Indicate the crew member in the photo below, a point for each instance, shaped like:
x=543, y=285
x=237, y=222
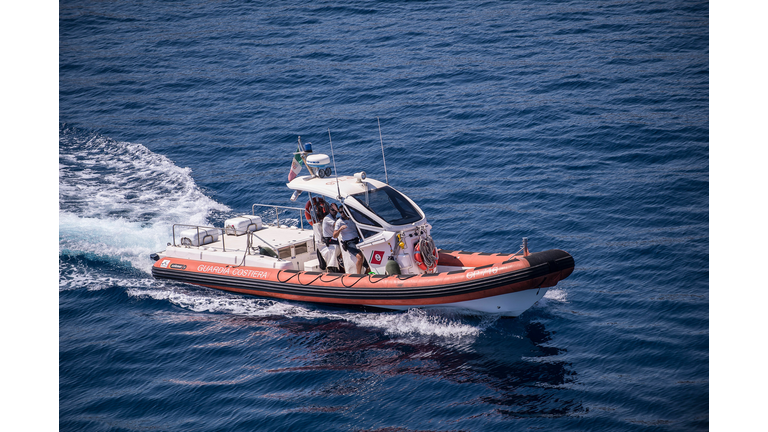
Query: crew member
x=346, y=230
x=328, y=225
x=331, y=250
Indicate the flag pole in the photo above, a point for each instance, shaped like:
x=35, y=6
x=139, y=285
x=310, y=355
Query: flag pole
x=303, y=154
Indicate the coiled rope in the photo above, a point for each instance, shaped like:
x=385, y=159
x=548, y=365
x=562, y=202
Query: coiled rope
x=428, y=252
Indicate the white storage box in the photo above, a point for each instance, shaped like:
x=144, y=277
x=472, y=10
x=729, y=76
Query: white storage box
x=199, y=236
x=242, y=224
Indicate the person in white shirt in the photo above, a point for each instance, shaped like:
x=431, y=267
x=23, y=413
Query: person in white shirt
x=331, y=250
x=346, y=230
x=328, y=225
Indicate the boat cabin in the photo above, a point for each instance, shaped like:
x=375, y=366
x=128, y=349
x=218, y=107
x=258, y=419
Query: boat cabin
x=389, y=223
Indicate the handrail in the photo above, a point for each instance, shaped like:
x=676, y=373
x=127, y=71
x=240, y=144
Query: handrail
x=197, y=227
x=277, y=214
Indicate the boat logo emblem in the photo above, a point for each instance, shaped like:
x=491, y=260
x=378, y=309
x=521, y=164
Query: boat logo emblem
x=376, y=257
x=164, y=264
x=178, y=266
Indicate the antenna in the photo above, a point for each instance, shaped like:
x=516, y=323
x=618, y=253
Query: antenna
x=335, y=173
x=382, y=151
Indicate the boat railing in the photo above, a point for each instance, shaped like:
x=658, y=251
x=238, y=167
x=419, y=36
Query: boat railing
x=200, y=240
x=277, y=212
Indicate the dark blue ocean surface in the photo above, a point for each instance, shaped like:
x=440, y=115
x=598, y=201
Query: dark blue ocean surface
x=580, y=125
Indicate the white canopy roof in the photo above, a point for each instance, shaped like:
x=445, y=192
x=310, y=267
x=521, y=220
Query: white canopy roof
x=347, y=185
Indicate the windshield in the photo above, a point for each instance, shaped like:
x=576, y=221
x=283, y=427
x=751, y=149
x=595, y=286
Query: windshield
x=389, y=205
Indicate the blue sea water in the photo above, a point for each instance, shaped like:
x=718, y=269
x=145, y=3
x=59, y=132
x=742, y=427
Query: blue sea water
x=580, y=125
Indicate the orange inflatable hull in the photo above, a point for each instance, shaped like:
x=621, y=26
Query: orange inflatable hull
x=490, y=275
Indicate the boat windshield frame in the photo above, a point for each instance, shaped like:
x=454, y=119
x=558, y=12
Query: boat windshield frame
x=389, y=205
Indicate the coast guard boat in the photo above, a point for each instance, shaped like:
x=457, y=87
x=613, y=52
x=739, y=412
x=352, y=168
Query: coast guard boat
x=404, y=269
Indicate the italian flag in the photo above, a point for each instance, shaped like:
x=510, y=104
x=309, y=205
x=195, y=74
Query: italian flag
x=295, y=165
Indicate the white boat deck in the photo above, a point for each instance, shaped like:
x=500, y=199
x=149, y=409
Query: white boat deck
x=279, y=239
x=292, y=246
